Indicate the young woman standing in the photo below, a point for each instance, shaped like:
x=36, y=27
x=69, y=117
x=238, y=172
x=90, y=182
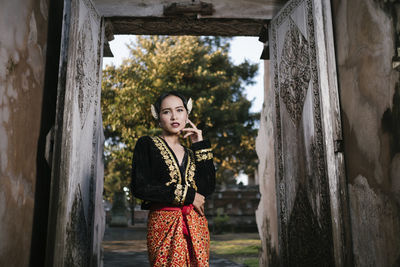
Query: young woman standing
x=173, y=181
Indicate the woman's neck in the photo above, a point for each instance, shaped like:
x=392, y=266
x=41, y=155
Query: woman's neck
x=172, y=139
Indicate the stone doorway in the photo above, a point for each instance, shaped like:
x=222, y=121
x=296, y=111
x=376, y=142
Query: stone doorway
x=85, y=32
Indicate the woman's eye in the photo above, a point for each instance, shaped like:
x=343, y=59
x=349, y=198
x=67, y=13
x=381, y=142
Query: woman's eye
x=180, y=110
x=165, y=112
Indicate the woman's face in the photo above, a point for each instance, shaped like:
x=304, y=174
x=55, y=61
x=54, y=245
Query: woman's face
x=173, y=115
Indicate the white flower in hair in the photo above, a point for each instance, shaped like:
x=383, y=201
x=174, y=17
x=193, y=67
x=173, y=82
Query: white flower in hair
x=189, y=105
x=154, y=112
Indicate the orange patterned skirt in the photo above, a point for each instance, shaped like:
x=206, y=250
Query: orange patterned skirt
x=178, y=237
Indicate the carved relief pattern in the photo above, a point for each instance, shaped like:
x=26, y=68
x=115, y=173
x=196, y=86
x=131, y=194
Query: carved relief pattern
x=86, y=77
x=286, y=11
x=87, y=59
x=280, y=185
x=84, y=58
x=294, y=69
x=97, y=125
x=77, y=234
x=307, y=71
x=321, y=174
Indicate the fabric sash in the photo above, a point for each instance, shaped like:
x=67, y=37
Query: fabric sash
x=177, y=236
x=185, y=211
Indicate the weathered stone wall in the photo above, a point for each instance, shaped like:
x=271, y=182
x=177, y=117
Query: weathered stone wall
x=99, y=220
x=266, y=214
x=23, y=28
x=370, y=102
x=365, y=40
x=76, y=203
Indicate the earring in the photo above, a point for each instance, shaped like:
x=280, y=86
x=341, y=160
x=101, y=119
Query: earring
x=189, y=105
x=154, y=112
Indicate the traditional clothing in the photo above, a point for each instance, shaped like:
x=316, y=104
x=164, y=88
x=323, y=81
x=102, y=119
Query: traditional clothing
x=177, y=234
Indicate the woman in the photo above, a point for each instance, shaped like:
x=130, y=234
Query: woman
x=173, y=182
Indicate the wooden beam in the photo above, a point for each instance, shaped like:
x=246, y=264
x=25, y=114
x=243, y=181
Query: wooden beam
x=187, y=26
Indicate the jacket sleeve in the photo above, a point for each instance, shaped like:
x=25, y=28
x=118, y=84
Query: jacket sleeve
x=147, y=187
x=205, y=170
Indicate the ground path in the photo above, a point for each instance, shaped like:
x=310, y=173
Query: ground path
x=126, y=247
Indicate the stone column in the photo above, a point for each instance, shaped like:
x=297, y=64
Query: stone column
x=266, y=214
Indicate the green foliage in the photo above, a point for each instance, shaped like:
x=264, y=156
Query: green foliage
x=200, y=68
x=220, y=221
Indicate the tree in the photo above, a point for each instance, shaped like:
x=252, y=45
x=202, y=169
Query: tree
x=198, y=67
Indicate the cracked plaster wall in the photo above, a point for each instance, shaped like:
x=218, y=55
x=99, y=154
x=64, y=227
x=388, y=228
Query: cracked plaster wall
x=365, y=46
x=23, y=27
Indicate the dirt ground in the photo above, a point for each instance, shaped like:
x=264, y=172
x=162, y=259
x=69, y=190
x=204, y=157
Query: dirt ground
x=125, y=247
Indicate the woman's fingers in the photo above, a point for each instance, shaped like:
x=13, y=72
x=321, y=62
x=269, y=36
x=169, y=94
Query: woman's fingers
x=198, y=203
x=195, y=130
x=191, y=131
x=200, y=210
x=186, y=135
x=191, y=123
x=198, y=133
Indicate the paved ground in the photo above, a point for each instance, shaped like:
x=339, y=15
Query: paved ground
x=125, y=247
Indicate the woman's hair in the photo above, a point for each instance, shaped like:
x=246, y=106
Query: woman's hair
x=160, y=99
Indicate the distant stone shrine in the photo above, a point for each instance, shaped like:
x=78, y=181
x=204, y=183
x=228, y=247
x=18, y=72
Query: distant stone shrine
x=119, y=210
x=233, y=210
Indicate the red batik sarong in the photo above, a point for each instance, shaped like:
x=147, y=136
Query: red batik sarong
x=177, y=236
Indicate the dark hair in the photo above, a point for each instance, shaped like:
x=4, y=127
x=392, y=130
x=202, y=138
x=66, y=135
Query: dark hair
x=160, y=99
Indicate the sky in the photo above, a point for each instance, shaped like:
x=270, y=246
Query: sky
x=241, y=48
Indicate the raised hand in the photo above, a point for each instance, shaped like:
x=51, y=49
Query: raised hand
x=194, y=133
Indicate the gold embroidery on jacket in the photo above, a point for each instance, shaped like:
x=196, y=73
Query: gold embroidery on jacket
x=178, y=194
x=180, y=191
x=184, y=194
x=204, y=154
x=190, y=169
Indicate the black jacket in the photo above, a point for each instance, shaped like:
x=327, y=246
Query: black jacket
x=158, y=178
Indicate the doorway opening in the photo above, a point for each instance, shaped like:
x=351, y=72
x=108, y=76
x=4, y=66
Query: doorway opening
x=224, y=76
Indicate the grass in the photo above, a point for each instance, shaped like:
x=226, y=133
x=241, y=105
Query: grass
x=251, y=262
x=242, y=251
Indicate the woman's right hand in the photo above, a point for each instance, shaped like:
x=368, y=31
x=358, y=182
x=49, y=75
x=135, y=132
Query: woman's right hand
x=198, y=203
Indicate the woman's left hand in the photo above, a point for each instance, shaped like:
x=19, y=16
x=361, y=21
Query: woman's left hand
x=194, y=133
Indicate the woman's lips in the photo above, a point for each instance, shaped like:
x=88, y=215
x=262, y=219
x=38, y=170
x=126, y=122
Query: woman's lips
x=175, y=124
